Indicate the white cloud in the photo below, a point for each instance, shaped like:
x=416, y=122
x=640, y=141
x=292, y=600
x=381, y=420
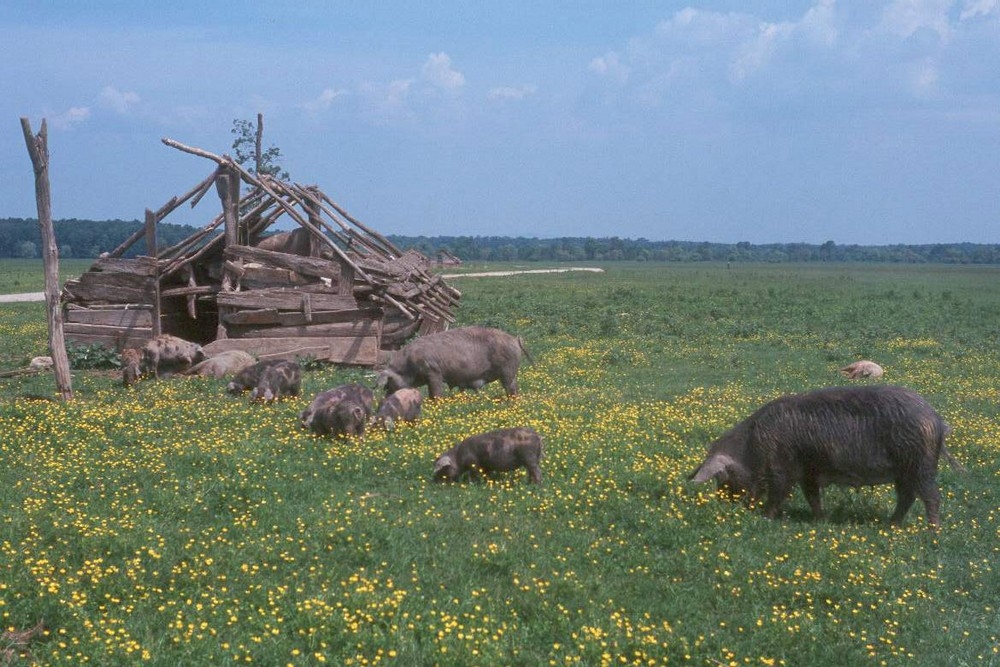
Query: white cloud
x=68, y=119
x=974, y=8
x=437, y=71
x=512, y=92
x=324, y=101
x=905, y=17
x=118, y=101
x=610, y=66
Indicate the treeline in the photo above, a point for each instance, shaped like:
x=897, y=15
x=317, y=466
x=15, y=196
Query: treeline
x=571, y=249
x=21, y=237
x=87, y=238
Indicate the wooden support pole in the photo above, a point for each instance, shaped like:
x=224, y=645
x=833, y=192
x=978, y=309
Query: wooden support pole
x=151, y=252
x=38, y=150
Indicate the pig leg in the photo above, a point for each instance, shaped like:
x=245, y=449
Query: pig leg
x=932, y=502
x=905, y=495
x=534, y=472
x=435, y=386
x=777, y=491
x=810, y=487
x=510, y=385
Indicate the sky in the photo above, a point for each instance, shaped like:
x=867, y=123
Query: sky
x=858, y=121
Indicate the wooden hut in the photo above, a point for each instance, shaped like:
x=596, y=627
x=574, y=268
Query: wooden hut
x=330, y=289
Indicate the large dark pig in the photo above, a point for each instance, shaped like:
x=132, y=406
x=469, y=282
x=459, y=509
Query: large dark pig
x=467, y=357
x=282, y=378
x=401, y=405
x=170, y=354
x=222, y=364
x=495, y=451
x=853, y=436
x=343, y=410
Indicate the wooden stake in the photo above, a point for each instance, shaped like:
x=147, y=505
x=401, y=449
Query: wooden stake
x=38, y=150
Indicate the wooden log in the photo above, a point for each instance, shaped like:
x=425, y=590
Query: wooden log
x=197, y=290
x=307, y=266
x=101, y=330
x=113, y=288
x=362, y=351
x=284, y=300
x=117, y=340
x=139, y=266
x=38, y=151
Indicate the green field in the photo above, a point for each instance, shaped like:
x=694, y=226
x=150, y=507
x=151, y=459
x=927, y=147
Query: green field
x=173, y=524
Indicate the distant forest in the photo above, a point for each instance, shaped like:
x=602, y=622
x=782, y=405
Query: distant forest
x=87, y=238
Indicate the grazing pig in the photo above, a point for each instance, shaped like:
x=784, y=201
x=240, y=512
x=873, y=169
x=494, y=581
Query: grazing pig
x=494, y=451
x=249, y=377
x=862, y=369
x=401, y=405
x=222, y=364
x=39, y=364
x=170, y=354
x=343, y=410
x=867, y=435
x=281, y=378
x=131, y=363
x=467, y=357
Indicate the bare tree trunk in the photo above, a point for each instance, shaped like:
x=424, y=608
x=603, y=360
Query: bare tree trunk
x=260, y=133
x=38, y=150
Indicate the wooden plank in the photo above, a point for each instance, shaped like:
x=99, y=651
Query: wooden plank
x=114, y=288
x=289, y=319
x=365, y=327
x=101, y=330
x=112, y=318
x=284, y=299
x=116, y=341
x=307, y=266
x=361, y=351
x=139, y=266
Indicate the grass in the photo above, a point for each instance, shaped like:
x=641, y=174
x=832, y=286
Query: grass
x=174, y=524
x=27, y=275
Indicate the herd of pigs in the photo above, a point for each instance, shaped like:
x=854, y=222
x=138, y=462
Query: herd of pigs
x=854, y=435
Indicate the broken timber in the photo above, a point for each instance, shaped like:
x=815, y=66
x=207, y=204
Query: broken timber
x=331, y=289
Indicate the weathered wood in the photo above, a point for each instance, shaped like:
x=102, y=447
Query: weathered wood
x=358, y=351
x=360, y=327
x=284, y=300
x=307, y=266
x=272, y=316
x=115, y=288
x=188, y=291
x=111, y=318
x=73, y=328
x=38, y=151
x=120, y=339
x=139, y=266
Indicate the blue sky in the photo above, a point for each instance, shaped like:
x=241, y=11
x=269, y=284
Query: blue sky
x=857, y=121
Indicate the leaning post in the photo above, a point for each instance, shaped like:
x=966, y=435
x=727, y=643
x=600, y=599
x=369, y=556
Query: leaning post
x=38, y=150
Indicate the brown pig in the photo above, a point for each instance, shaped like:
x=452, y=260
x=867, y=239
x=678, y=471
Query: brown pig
x=249, y=377
x=862, y=369
x=170, y=354
x=401, y=405
x=131, y=366
x=495, y=451
x=343, y=410
x=282, y=378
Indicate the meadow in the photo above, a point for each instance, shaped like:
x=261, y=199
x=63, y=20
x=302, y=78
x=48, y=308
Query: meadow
x=174, y=524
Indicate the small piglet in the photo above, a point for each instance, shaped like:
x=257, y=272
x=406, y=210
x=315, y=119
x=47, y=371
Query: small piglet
x=401, y=405
x=495, y=451
x=131, y=366
x=282, y=378
x=343, y=410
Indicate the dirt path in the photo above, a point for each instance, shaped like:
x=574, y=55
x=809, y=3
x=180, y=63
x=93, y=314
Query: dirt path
x=40, y=296
x=26, y=296
x=492, y=274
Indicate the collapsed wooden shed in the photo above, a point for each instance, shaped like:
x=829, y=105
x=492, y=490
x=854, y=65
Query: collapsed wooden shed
x=331, y=288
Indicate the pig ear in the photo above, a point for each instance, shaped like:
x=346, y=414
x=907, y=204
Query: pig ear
x=714, y=465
